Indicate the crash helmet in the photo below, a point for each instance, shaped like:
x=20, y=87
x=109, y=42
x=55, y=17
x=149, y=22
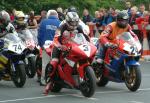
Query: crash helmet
x=122, y=19
x=72, y=20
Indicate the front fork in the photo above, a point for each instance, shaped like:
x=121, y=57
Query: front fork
x=130, y=63
x=13, y=71
x=81, y=71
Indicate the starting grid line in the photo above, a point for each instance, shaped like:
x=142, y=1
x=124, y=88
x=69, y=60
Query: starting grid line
x=75, y=95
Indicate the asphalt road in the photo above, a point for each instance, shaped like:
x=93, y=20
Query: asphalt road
x=112, y=93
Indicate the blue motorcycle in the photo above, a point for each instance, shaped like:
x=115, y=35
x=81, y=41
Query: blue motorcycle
x=121, y=64
x=12, y=67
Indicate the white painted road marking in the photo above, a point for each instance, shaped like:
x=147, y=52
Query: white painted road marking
x=135, y=102
x=32, y=98
x=146, y=75
x=51, y=96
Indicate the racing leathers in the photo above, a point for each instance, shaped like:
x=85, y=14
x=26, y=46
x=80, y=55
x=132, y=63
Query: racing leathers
x=63, y=35
x=8, y=29
x=107, y=38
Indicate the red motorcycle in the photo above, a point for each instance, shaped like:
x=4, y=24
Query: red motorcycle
x=74, y=69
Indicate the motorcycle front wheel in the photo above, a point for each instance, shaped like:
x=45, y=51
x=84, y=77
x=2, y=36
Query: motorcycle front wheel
x=19, y=76
x=133, y=78
x=30, y=67
x=89, y=85
x=55, y=87
x=38, y=66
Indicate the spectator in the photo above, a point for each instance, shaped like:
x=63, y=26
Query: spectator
x=87, y=18
x=109, y=16
x=128, y=7
x=98, y=20
x=146, y=16
x=12, y=15
x=46, y=32
x=132, y=21
x=141, y=9
x=32, y=25
x=43, y=16
x=133, y=15
x=61, y=16
x=65, y=12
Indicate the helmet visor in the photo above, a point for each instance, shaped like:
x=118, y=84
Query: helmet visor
x=73, y=23
x=122, y=21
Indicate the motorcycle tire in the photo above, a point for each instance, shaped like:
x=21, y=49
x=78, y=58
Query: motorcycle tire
x=38, y=66
x=30, y=67
x=19, y=76
x=102, y=81
x=55, y=87
x=89, y=85
x=133, y=79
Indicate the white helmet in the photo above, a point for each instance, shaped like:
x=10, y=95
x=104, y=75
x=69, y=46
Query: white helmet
x=72, y=20
x=4, y=17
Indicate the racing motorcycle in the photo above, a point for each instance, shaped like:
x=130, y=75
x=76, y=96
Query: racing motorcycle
x=12, y=55
x=74, y=69
x=121, y=63
x=31, y=49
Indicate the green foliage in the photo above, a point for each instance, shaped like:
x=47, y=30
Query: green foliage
x=38, y=5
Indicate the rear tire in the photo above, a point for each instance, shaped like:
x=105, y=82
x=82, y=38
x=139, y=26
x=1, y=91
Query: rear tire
x=19, y=76
x=89, y=85
x=133, y=79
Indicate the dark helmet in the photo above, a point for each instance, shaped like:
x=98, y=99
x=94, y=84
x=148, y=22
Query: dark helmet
x=72, y=9
x=122, y=19
x=72, y=20
x=4, y=18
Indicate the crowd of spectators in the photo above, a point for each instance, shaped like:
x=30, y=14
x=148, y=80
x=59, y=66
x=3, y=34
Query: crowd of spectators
x=137, y=15
x=98, y=21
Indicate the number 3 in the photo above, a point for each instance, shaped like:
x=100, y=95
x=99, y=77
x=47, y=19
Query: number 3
x=85, y=47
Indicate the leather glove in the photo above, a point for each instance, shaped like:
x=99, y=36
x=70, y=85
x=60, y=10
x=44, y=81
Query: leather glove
x=111, y=45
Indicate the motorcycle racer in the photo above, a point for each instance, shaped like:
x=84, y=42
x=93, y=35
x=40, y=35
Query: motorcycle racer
x=63, y=35
x=5, y=25
x=110, y=33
